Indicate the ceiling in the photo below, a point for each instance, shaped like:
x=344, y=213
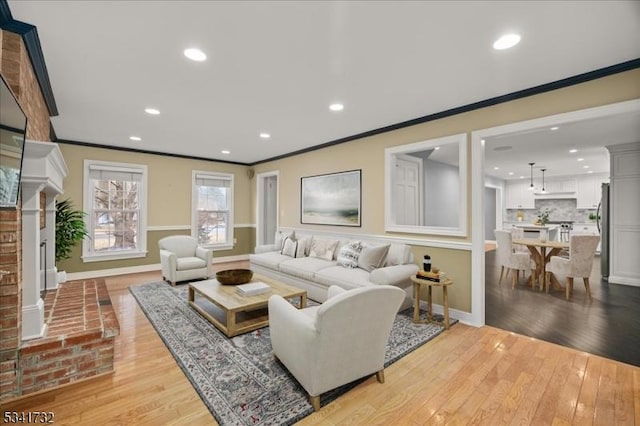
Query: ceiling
x=275, y=67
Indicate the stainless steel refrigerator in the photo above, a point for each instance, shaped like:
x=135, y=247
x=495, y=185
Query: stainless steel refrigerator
x=603, y=227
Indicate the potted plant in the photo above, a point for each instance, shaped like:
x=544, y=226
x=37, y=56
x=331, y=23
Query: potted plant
x=593, y=217
x=70, y=229
x=543, y=216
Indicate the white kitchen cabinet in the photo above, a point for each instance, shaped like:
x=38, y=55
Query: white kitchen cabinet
x=589, y=191
x=519, y=196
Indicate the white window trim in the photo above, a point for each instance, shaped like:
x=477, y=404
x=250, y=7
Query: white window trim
x=87, y=249
x=194, y=208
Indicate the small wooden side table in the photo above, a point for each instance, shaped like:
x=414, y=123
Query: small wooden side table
x=417, y=285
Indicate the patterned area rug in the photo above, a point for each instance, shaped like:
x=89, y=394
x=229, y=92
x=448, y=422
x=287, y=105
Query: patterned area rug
x=238, y=379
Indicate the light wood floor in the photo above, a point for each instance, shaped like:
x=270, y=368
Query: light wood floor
x=466, y=375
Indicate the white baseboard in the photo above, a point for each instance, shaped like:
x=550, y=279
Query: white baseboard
x=142, y=268
x=613, y=279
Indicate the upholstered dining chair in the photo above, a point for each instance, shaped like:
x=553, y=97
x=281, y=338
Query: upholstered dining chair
x=340, y=341
x=510, y=260
x=582, y=249
x=518, y=234
x=181, y=259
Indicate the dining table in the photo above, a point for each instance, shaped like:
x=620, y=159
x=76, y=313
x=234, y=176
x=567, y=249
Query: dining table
x=538, y=249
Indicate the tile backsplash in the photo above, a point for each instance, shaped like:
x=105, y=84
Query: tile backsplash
x=561, y=209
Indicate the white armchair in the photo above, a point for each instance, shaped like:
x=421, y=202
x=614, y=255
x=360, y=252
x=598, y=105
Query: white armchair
x=181, y=259
x=582, y=249
x=337, y=342
x=514, y=261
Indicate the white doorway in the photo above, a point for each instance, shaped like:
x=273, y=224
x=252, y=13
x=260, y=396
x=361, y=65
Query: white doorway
x=267, y=211
x=407, y=190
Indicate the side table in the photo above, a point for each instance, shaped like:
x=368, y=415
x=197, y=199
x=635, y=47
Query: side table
x=417, y=285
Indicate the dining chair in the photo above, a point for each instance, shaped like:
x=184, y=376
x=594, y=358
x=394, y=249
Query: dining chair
x=582, y=249
x=518, y=234
x=511, y=260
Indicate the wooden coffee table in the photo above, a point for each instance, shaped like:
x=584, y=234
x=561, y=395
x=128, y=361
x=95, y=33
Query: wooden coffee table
x=237, y=314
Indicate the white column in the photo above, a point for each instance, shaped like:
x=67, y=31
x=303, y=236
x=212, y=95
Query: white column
x=50, y=236
x=32, y=304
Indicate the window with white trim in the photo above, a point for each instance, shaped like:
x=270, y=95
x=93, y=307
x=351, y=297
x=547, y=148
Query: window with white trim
x=115, y=203
x=212, y=206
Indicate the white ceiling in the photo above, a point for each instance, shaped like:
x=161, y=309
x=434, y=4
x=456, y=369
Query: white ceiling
x=276, y=66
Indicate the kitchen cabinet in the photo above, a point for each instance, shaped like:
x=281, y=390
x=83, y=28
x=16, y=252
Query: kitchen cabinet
x=519, y=196
x=589, y=191
x=558, y=188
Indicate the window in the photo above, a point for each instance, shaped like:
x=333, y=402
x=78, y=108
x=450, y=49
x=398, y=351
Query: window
x=115, y=203
x=212, y=220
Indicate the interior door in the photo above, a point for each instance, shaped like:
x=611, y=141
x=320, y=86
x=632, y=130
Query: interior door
x=407, y=190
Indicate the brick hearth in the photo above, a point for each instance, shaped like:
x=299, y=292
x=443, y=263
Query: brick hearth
x=81, y=328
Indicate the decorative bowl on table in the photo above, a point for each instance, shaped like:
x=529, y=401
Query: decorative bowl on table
x=234, y=276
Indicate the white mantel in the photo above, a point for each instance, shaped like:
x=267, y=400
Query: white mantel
x=43, y=169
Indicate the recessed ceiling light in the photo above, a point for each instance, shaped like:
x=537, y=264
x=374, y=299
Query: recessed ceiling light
x=554, y=128
x=585, y=167
x=436, y=148
x=496, y=168
x=135, y=138
x=590, y=171
x=265, y=135
x=580, y=159
x=521, y=177
x=152, y=111
x=503, y=148
x=336, y=107
x=510, y=173
x=506, y=41
x=195, y=54
x=225, y=152
x=573, y=151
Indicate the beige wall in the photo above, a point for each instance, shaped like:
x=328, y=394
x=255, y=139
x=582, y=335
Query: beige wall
x=168, y=200
x=368, y=154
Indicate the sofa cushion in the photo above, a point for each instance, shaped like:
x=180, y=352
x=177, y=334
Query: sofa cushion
x=269, y=260
x=349, y=253
x=322, y=248
x=347, y=278
x=304, y=267
x=372, y=257
x=187, y=263
x=398, y=254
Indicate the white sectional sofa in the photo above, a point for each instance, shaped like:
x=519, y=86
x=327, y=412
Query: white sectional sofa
x=316, y=274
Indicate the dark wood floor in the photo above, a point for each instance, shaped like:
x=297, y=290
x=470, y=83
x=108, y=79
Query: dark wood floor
x=608, y=326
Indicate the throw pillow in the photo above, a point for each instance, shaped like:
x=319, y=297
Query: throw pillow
x=303, y=246
x=280, y=237
x=372, y=257
x=349, y=253
x=290, y=247
x=323, y=249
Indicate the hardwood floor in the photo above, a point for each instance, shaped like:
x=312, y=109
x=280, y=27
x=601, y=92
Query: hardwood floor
x=609, y=325
x=466, y=375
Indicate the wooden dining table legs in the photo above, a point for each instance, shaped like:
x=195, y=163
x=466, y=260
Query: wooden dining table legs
x=542, y=258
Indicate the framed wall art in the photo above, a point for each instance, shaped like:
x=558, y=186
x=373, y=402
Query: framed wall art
x=331, y=199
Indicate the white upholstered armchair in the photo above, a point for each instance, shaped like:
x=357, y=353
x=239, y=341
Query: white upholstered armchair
x=582, y=249
x=514, y=261
x=337, y=342
x=181, y=259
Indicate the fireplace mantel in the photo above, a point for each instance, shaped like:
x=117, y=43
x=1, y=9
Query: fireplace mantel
x=43, y=170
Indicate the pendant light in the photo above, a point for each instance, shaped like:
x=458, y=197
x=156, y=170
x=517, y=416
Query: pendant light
x=531, y=185
x=544, y=191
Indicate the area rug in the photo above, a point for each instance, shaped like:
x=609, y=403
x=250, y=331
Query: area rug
x=238, y=379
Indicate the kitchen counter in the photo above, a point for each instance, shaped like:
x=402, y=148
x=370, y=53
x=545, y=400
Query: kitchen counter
x=533, y=227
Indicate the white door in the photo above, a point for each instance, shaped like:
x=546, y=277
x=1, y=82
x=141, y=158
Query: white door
x=407, y=190
x=267, y=221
